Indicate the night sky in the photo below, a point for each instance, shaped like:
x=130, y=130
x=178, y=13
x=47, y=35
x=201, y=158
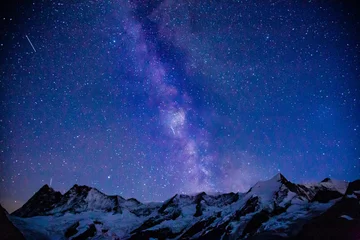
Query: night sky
x=146, y=99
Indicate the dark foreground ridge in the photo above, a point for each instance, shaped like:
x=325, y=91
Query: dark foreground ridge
x=272, y=209
x=11, y=231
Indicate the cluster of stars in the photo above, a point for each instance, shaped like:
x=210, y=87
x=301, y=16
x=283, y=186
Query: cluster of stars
x=149, y=100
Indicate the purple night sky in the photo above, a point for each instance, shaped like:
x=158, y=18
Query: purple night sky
x=146, y=99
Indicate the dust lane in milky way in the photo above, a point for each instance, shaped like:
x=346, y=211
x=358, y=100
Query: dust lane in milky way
x=173, y=107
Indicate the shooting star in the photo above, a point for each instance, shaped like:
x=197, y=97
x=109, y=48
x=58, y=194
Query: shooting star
x=172, y=130
x=50, y=181
x=30, y=42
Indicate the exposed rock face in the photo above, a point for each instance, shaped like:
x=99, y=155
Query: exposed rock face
x=341, y=221
x=88, y=233
x=72, y=230
x=353, y=188
x=324, y=196
x=78, y=199
x=39, y=204
x=272, y=209
x=83, y=198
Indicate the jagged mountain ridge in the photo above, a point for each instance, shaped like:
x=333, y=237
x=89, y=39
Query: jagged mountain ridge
x=78, y=199
x=276, y=207
x=41, y=202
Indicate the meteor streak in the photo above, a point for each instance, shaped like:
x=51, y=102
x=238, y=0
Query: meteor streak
x=30, y=42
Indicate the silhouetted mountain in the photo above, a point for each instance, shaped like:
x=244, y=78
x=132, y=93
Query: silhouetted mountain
x=340, y=221
x=272, y=209
x=8, y=230
x=39, y=204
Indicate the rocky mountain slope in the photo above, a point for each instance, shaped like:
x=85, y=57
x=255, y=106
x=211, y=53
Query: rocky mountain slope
x=272, y=209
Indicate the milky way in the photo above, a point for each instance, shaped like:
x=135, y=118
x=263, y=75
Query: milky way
x=146, y=99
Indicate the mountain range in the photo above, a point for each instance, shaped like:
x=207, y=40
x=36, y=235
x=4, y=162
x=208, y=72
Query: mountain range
x=272, y=209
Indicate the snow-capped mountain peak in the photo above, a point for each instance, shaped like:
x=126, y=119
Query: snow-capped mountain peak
x=271, y=206
x=277, y=190
x=336, y=185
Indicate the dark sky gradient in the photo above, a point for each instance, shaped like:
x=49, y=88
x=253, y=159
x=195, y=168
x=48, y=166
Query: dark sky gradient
x=146, y=99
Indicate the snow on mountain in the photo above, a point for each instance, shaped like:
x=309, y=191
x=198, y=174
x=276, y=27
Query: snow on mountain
x=329, y=184
x=276, y=207
x=277, y=189
x=83, y=198
x=336, y=185
x=347, y=217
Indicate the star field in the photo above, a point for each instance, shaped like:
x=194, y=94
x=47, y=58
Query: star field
x=146, y=99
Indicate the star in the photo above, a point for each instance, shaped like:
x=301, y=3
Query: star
x=147, y=100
